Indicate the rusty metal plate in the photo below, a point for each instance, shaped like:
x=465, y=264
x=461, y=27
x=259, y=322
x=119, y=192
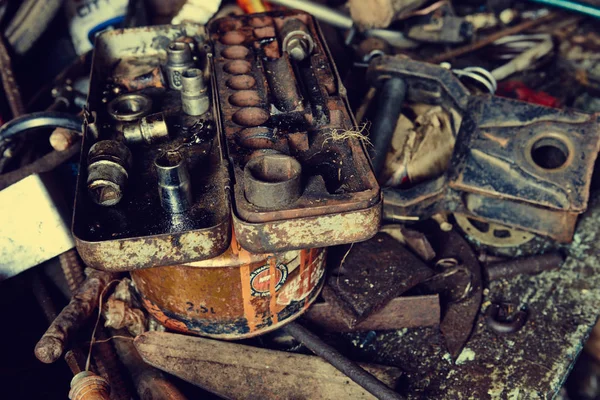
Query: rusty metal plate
x=370, y=274
x=137, y=232
x=272, y=102
x=522, y=165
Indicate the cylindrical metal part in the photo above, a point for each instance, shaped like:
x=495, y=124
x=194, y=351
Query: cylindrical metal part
x=130, y=107
x=194, y=93
x=179, y=59
x=174, y=186
x=235, y=295
x=319, y=11
x=390, y=101
x=88, y=386
x=524, y=265
x=297, y=40
x=150, y=129
x=272, y=181
x=285, y=91
x=108, y=164
x=335, y=358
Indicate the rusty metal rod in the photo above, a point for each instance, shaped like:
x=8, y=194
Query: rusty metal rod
x=335, y=358
x=491, y=39
x=524, y=265
x=72, y=317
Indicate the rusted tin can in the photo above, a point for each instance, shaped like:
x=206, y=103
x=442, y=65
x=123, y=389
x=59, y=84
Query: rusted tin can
x=235, y=295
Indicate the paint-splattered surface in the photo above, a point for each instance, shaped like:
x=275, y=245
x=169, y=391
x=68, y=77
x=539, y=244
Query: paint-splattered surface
x=530, y=364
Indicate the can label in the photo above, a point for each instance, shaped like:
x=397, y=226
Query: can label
x=260, y=279
x=90, y=17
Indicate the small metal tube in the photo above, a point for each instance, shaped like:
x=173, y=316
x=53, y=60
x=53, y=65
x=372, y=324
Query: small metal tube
x=174, y=186
x=524, y=265
x=109, y=162
x=179, y=59
x=348, y=367
x=194, y=93
x=149, y=129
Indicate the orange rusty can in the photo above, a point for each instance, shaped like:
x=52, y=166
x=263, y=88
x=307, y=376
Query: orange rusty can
x=235, y=295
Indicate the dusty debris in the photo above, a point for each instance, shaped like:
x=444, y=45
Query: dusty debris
x=399, y=313
x=373, y=273
x=243, y=372
x=413, y=239
x=421, y=150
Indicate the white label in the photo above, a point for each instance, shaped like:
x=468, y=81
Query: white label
x=89, y=17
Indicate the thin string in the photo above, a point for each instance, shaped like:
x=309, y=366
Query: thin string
x=111, y=338
x=89, y=357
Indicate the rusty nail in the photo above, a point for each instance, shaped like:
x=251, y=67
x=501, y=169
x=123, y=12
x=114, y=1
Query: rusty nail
x=80, y=308
x=524, y=265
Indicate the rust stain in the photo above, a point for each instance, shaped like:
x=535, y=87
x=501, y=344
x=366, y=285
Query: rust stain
x=249, y=312
x=501, y=141
x=273, y=289
x=303, y=271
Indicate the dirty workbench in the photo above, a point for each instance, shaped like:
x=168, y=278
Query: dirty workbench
x=532, y=363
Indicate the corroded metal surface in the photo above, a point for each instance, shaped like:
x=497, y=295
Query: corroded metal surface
x=326, y=230
x=235, y=295
x=137, y=232
x=235, y=371
x=399, y=313
x=514, y=163
x=144, y=252
x=72, y=317
x=293, y=104
x=529, y=364
x=370, y=274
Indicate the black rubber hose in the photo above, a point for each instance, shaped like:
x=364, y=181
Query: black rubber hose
x=390, y=102
x=42, y=119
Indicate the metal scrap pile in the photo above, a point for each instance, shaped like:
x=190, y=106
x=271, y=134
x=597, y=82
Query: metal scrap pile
x=299, y=199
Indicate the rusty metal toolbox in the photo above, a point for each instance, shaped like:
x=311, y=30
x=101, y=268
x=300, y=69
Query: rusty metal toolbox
x=128, y=82
x=301, y=179
x=171, y=120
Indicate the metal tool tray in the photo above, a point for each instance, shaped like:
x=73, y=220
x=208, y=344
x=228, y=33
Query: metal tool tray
x=295, y=108
x=137, y=232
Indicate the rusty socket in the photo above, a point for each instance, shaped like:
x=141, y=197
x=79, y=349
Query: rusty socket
x=108, y=164
x=272, y=180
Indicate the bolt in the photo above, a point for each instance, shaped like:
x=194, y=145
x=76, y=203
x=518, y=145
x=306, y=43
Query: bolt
x=297, y=49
